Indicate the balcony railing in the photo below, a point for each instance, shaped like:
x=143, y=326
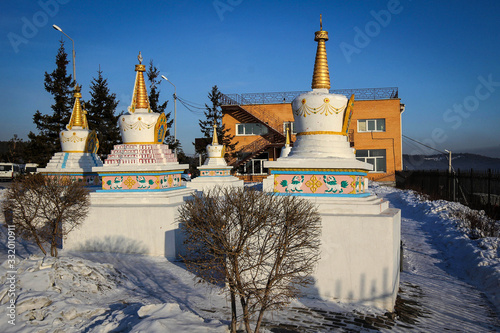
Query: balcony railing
x=289, y=96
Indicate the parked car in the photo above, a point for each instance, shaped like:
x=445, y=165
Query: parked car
x=186, y=177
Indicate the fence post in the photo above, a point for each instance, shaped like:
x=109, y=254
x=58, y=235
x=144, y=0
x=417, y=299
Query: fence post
x=471, y=199
x=489, y=190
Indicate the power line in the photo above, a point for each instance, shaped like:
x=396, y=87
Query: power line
x=423, y=144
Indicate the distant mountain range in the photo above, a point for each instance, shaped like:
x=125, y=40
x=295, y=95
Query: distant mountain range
x=462, y=161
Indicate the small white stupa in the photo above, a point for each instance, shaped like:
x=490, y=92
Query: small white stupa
x=360, y=241
x=215, y=171
x=287, y=148
x=79, y=149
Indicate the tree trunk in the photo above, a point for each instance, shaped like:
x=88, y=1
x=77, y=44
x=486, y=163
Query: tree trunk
x=233, y=312
x=246, y=315
x=37, y=241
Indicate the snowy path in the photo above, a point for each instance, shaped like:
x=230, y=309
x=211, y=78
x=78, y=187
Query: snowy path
x=446, y=301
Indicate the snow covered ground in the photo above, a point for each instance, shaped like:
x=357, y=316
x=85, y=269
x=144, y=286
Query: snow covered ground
x=450, y=282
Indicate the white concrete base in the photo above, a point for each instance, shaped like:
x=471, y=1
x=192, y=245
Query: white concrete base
x=131, y=222
x=360, y=252
x=209, y=182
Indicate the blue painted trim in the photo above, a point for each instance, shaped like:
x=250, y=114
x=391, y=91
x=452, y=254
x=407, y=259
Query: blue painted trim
x=95, y=158
x=70, y=174
x=149, y=190
x=279, y=172
x=141, y=174
x=361, y=195
x=66, y=155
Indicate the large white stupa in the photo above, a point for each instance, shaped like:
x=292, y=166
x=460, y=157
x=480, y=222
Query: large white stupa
x=142, y=162
x=360, y=242
x=79, y=149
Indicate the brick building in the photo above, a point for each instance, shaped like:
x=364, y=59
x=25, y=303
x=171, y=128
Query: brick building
x=259, y=120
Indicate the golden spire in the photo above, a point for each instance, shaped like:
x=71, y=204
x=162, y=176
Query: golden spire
x=140, y=99
x=215, y=141
x=321, y=76
x=288, y=141
x=78, y=115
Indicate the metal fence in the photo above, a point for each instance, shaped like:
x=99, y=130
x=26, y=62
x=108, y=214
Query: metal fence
x=476, y=189
x=289, y=96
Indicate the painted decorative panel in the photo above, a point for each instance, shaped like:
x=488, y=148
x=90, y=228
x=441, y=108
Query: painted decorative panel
x=324, y=184
x=88, y=179
x=141, y=182
x=213, y=173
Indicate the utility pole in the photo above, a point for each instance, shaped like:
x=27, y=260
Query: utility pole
x=450, y=168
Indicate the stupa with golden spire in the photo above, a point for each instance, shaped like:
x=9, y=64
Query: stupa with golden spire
x=360, y=234
x=321, y=121
x=142, y=161
x=215, y=171
x=79, y=147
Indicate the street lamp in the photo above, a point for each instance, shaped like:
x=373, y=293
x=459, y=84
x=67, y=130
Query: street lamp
x=175, y=111
x=59, y=29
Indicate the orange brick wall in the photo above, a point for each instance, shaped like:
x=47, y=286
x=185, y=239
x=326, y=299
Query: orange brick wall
x=390, y=140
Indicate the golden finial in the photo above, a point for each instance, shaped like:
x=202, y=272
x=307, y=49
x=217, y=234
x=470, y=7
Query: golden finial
x=140, y=99
x=321, y=76
x=288, y=141
x=78, y=115
x=215, y=141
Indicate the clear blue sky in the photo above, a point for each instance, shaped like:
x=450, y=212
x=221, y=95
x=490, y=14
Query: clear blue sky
x=443, y=55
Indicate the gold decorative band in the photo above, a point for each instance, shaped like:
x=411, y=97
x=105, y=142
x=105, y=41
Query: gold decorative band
x=140, y=68
x=321, y=132
x=142, y=143
x=320, y=170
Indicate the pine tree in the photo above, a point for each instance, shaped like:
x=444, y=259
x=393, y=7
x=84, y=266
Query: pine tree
x=213, y=115
x=60, y=84
x=101, y=114
x=154, y=102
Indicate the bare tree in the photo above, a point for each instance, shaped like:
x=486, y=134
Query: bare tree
x=263, y=246
x=22, y=207
x=46, y=209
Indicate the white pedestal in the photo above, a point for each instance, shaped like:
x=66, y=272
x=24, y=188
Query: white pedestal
x=360, y=252
x=131, y=222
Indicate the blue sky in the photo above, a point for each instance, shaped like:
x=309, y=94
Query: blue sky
x=443, y=56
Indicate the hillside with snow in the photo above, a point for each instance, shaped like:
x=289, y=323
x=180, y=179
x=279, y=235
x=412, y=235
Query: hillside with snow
x=451, y=281
x=462, y=161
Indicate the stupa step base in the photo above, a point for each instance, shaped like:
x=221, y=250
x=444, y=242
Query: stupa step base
x=72, y=162
x=140, y=154
x=210, y=182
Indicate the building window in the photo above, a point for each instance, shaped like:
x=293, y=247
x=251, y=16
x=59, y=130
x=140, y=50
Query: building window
x=292, y=127
x=255, y=166
x=375, y=157
x=371, y=125
x=251, y=129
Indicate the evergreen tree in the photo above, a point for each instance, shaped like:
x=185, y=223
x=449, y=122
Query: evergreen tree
x=213, y=115
x=101, y=114
x=154, y=79
x=58, y=83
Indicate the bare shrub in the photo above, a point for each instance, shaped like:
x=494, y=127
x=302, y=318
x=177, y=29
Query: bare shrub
x=46, y=209
x=479, y=224
x=263, y=246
